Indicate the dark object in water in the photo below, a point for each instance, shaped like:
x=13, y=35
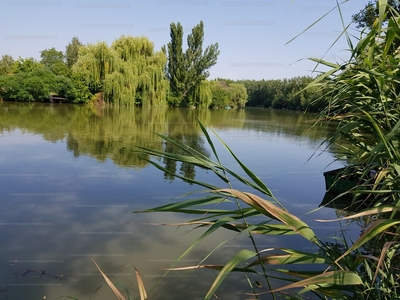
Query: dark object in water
x=342, y=180
x=338, y=182
x=343, y=202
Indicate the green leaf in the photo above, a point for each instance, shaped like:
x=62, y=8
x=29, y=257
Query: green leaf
x=240, y=257
x=260, y=185
x=376, y=228
x=340, y=278
x=268, y=208
x=325, y=63
x=292, y=257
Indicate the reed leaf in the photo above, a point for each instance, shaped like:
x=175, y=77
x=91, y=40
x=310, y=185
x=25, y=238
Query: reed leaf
x=142, y=290
x=240, y=257
x=158, y=166
x=213, y=267
x=310, y=26
x=219, y=223
x=366, y=212
x=260, y=185
x=274, y=229
x=292, y=257
x=331, y=278
x=277, y=213
x=376, y=228
x=116, y=292
x=325, y=63
x=209, y=140
x=385, y=249
x=178, y=206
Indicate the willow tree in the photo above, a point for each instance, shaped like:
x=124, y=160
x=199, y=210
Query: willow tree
x=186, y=70
x=202, y=94
x=143, y=71
x=237, y=95
x=95, y=61
x=128, y=72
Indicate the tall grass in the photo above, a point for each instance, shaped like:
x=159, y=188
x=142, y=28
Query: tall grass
x=363, y=104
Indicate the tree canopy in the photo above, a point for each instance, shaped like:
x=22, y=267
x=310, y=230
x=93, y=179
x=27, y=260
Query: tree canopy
x=72, y=51
x=186, y=70
x=6, y=65
x=54, y=61
x=367, y=16
x=129, y=72
x=288, y=93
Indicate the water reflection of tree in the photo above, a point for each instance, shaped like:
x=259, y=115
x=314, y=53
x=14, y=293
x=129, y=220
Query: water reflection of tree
x=114, y=132
x=187, y=170
x=183, y=128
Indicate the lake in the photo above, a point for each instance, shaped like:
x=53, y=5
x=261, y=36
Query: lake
x=70, y=179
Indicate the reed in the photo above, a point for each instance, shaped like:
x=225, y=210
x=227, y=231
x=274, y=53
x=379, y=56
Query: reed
x=364, y=108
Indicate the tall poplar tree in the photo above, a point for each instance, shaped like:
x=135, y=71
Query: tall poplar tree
x=186, y=70
x=72, y=50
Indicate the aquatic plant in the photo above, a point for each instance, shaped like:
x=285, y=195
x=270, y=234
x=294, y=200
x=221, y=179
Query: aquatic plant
x=364, y=108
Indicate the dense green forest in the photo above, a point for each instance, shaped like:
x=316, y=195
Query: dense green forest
x=130, y=72
x=284, y=94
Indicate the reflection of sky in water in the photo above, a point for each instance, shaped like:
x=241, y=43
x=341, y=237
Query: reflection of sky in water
x=58, y=210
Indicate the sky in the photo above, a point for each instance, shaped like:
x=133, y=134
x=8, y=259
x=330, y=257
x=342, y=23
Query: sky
x=252, y=35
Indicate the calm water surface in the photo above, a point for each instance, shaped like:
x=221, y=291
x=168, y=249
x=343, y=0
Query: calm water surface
x=69, y=181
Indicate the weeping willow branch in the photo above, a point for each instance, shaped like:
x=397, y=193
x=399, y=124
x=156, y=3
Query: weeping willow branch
x=128, y=73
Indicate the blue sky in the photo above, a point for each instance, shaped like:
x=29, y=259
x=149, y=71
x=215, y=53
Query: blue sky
x=251, y=34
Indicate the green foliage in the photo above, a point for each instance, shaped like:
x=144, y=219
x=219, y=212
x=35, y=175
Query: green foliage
x=26, y=65
x=367, y=16
x=220, y=96
x=127, y=73
x=228, y=93
x=187, y=70
x=26, y=79
x=285, y=93
x=79, y=91
x=6, y=65
x=54, y=61
x=9, y=88
x=364, y=106
x=37, y=85
x=72, y=51
x=237, y=95
x=202, y=95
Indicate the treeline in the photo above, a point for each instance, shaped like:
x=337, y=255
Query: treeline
x=284, y=94
x=128, y=72
x=27, y=79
